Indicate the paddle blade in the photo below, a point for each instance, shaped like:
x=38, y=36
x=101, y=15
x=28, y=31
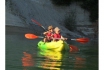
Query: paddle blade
x=36, y=22
x=73, y=48
x=31, y=36
x=82, y=40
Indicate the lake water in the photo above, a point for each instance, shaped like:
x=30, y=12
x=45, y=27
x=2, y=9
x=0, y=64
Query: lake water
x=22, y=54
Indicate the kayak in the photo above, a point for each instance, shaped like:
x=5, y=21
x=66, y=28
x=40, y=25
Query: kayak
x=54, y=46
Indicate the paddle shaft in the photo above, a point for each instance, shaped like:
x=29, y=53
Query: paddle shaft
x=38, y=24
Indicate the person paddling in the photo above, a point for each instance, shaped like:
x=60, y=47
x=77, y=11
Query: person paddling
x=48, y=34
x=57, y=35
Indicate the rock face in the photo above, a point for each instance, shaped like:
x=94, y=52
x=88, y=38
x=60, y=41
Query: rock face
x=20, y=12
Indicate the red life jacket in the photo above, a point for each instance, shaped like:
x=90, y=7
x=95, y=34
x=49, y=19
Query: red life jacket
x=49, y=35
x=56, y=36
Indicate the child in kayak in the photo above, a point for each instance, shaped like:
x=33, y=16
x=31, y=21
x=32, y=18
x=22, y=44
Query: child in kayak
x=57, y=36
x=48, y=34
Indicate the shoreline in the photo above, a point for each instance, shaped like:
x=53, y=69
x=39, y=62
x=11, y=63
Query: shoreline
x=16, y=29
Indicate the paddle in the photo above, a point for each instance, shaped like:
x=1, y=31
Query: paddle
x=73, y=49
x=82, y=40
x=33, y=36
x=38, y=24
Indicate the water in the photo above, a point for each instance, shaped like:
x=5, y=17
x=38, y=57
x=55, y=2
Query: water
x=22, y=54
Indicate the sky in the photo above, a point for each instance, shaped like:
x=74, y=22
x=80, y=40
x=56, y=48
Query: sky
x=101, y=35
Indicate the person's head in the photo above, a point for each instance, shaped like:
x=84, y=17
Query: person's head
x=57, y=30
x=50, y=28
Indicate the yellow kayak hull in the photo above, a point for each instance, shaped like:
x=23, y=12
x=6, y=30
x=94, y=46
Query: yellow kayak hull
x=54, y=46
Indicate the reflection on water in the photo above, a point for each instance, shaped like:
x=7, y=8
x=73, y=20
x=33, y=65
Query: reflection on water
x=52, y=60
x=17, y=57
x=27, y=60
x=79, y=62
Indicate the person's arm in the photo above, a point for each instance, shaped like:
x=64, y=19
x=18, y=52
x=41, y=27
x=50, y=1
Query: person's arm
x=45, y=32
x=63, y=38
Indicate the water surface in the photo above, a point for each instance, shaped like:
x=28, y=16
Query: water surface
x=22, y=54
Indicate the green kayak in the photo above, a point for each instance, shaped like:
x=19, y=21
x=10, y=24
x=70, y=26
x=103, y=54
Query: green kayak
x=54, y=46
